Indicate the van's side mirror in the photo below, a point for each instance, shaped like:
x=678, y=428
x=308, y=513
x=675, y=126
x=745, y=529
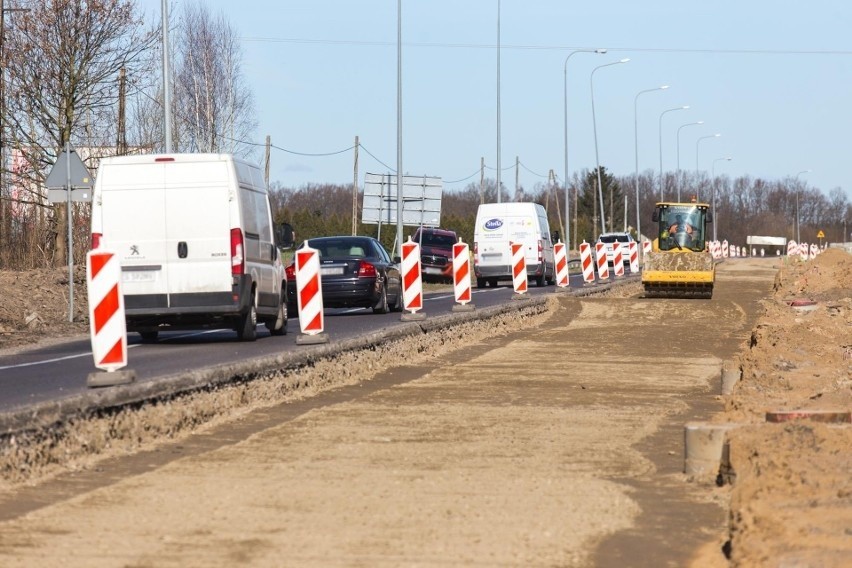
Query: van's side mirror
x=709, y=217
x=655, y=216
x=285, y=236
x=554, y=236
x=397, y=260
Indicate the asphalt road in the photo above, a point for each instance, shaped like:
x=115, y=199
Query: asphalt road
x=56, y=372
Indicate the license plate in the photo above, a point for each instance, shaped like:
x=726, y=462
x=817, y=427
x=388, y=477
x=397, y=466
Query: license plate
x=331, y=270
x=138, y=276
x=431, y=270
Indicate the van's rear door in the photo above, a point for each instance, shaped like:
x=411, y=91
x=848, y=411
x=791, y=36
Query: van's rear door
x=134, y=226
x=198, y=205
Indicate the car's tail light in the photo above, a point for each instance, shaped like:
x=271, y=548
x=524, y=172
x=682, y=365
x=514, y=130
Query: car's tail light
x=366, y=270
x=290, y=271
x=238, y=260
x=96, y=240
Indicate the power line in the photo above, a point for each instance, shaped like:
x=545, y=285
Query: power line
x=530, y=171
x=550, y=47
x=462, y=179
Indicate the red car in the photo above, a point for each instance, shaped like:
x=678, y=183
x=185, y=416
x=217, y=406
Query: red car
x=436, y=253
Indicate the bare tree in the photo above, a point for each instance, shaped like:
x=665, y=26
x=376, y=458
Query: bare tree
x=62, y=60
x=214, y=110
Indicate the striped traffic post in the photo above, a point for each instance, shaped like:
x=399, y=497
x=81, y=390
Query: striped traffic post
x=601, y=260
x=633, y=251
x=792, y=248
x=618, y=259
x=461, y=277
x=107, y=326
x=587, y=263
x=412, y=282
x=519, y=271
x=725, y=251
x=309, y=297
x=560, y=259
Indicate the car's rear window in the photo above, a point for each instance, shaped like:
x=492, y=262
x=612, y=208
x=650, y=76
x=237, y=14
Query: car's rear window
x=336, y=248
x=442, y=241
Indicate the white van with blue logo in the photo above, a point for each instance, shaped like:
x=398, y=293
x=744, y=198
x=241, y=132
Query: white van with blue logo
x=500, y=224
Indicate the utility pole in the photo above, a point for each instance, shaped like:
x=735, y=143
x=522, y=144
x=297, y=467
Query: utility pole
x=517, y=177
x=266, y=156
x=355, y=191
x=482, y=180
x=121, y=141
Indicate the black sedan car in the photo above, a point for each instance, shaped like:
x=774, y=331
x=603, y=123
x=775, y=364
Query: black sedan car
x=355, y=272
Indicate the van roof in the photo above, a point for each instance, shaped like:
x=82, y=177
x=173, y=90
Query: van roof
x=175, y=157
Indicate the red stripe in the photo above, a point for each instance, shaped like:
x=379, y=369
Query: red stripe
x=416, y=303
x=315, y=324
x=309, y=291
x=412, y=275
x=115, y=355
x=303, y=258
x=459, y=250
x=561, y=264
x=462, y=273
x=97, y=261
x=465, y=296
x=522, y=287
x=518, y=268
x=106, y=308
x=407, y=249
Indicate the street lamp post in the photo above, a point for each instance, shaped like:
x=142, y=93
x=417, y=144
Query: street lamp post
x=567, y=226
x=595, y=130
x=662, y=114
x=636, y=147
x=798, y=235
x=697, y=143
x=713, y=175
x=677, y=175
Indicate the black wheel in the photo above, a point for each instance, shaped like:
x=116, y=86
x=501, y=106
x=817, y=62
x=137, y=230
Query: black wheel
x=381, y=306
x=247, y=324
x=539, y=281
x=481, y=283
x=149, y=336
x=493, y=282
x=399, y=305
x=279, y=325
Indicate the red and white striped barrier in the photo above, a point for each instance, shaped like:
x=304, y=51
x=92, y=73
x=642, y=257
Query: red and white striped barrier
x=617, y=259
x=587, y=263
x=309, y=296
x=519, y=268
x=803, y=250
x=792, y=247
x=107, y=326
x=725, y=251
x=560, y=258
x=106, y=310
x=647, y=246
x=814, y=251
x=461, y=275
x=600, y=258
x=412, y=280
x=633, y=251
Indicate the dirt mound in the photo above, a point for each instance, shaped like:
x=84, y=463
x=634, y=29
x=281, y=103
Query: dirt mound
x=35, y=306
x=791, y=503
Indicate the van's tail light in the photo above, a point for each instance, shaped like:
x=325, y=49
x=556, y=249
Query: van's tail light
x=238, y=259
x=290, y=271
x=475, y=248
x=366, y=270
x=540, y=251
x=96, y=240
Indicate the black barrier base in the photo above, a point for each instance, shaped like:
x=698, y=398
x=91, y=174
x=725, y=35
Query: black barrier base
x=464, y=308
x=315, y=339
x=110, y=378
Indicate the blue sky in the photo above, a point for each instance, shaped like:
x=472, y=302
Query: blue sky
x=773, y=77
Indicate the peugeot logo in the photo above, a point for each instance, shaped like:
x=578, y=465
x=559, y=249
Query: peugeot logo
x=134, y=250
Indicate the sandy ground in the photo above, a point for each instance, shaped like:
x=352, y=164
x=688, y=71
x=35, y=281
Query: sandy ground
x=556, y=441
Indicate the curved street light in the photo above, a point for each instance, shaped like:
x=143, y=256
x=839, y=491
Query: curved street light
x=697, y=142
x=636, y=147
x=595, y=130
x=798, y=235
x=567, y=225
x=662, y=114
x=677, y=175
x=713, y=172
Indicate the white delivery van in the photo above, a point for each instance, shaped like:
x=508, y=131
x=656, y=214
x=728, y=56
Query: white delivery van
x=196, y=243
x=498, y=225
